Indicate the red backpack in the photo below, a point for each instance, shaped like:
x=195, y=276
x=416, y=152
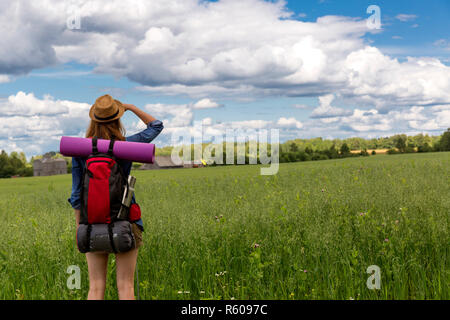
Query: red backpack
x=102, y=187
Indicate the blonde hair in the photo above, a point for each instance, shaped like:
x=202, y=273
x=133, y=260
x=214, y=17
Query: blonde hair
x=106, y=130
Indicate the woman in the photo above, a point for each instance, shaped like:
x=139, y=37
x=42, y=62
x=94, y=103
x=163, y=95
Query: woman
x=105, y=124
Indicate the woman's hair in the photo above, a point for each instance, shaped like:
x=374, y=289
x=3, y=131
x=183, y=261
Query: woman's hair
x=106, y=130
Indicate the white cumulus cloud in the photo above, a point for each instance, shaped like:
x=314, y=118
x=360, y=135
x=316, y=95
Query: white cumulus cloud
x=289, y=123
x=206, y=104
x=325, y=110
x=4, y=78
x=190, y=46
x=36, y=124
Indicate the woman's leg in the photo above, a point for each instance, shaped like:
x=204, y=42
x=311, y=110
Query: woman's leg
x=125, y=266
x=97, y=266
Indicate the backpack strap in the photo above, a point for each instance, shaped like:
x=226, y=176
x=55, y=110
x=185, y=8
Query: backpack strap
x=94, y=145
x=88, y=236
x=111, y=146
x=111, y=238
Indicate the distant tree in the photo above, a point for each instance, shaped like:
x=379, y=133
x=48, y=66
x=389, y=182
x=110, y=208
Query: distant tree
x=444, y=143
x=50, y=154
x=387, y=143
x=332, y=153
x=425, y=148
x=4, y=162
x=355, y=143
x=283, y=158
x=400, y=142
x=303, y=156
x=372, y=144
x=392, y=151
x=25, y=171
x=437, y=146
x=418, y=140
x=292, y=156
x=14, y=164
x=293, y=147
x=410, y=148
x=319, y=156
x=23, y=158
x=308, y=150
x=6, y=167
x=345, y=149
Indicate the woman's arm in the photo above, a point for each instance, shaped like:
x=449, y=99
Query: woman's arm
x=77, y=216
x=154, y=126
x=144, y=116
x=74, y=200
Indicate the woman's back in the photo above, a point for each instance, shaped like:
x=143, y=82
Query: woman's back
x=105, y=123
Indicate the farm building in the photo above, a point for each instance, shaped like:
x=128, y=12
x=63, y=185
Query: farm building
x=49, y=167
x=193, y=164
x=161, y=162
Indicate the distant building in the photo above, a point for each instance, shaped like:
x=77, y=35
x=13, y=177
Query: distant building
x=193, y=164
x=49, y=167
x=161, y=162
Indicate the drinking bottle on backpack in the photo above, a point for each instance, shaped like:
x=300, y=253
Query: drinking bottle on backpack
x=127, y=196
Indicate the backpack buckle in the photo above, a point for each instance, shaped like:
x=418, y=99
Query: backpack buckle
x=111, y=147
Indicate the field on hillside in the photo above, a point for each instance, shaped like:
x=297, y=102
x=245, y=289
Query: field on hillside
x=309, y=232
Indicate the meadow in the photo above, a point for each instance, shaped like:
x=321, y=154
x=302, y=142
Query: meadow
x=309, y=232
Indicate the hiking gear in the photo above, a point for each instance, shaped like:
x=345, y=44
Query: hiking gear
x=145, y=136
x=134, y=212
x=103, y=184
x=127, y=196
x=106, y=109
x=137, y=151
x=102, y=187
x=115, y=237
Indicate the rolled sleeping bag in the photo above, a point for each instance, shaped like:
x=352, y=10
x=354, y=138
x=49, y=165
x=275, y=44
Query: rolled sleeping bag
x=82, y=238
x=99, y=239
x=126, y=150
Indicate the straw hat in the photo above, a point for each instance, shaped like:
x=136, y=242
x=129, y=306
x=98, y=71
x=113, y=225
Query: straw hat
x=106, y=109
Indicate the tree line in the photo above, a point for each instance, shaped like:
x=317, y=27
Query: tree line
x=322, y=149
x=15, y=164
x=319, y=149
x=404, y=145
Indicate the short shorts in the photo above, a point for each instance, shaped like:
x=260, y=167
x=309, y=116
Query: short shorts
x=137, y=232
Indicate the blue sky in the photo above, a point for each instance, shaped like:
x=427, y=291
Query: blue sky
x=418, y=34
x=316, y=72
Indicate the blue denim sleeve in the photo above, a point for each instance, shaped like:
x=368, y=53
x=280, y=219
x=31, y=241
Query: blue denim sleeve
x=154, y=128
x=77, y=172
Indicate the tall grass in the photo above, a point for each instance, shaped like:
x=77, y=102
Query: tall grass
x=309, y=232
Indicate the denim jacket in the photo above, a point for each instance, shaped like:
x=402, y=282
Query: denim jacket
x=154, y=128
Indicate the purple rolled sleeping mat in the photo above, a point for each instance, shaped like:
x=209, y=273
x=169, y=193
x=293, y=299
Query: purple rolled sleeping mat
x=131, y=151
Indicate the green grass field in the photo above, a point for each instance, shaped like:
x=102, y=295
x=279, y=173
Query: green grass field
x=309, y=232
